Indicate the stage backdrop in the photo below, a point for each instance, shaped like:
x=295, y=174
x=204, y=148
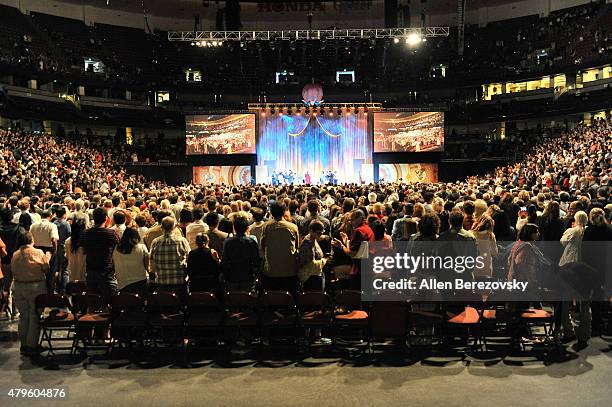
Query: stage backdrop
x=228, y=175
x=419, y=172
x=310, y=144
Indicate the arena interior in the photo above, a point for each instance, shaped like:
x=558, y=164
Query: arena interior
x=306, y=203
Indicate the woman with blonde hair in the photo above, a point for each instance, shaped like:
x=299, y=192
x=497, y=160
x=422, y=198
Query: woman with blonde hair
x=486, y=244
x=572, y=240
x=572, y=253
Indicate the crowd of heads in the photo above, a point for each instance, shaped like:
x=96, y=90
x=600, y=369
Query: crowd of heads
x=42, y=171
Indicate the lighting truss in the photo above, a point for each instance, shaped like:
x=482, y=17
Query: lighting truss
x=331, y=105
x=338, y=34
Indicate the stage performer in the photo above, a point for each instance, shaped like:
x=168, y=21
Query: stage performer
x=307, y=178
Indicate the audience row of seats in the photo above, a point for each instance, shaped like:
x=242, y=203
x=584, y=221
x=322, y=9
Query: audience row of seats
x=83, y=320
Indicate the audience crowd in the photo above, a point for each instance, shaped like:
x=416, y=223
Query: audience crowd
x=70, y=212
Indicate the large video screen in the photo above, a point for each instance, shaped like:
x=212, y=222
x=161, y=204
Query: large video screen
x=220, y=134
x=415, y=172
x=412, y=132
x=228, y=175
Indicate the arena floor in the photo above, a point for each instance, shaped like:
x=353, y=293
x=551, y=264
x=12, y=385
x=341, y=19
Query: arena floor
x=389, y=380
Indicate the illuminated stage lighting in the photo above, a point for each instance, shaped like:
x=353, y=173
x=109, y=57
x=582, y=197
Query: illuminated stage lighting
x=396, y=40
x=413, y=39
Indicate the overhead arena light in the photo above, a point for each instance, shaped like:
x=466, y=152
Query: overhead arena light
x=413, y=39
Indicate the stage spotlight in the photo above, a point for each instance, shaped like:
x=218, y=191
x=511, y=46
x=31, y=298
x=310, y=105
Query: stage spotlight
x=263, y=112
x=413, y=39
x=192, y=44
x=396, y=40
x=214, y=43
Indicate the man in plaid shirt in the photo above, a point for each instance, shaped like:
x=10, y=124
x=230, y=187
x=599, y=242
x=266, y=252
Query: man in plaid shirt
x=169, y=259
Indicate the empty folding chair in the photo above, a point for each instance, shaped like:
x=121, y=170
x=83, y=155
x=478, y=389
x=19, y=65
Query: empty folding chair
x=166, y=317
x=278, y=315
x=241, y=317
x=351, y=320
x=129, y=321
x=388, y=320
x=55, y=317
x=204, y=316
x=92, y=321
x=316, y=312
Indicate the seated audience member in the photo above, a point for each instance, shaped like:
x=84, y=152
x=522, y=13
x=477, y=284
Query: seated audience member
x=311, y=259
x=99, y=244
x=203, y=267
x=169, y=259
x=217, y=237
x=131, y=259
x=279, y=245
x=240, y=261
x=30, y=267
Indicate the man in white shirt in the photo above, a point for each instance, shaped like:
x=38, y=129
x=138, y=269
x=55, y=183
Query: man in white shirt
x=119, y=222
x=198, y=226
x=45, y=234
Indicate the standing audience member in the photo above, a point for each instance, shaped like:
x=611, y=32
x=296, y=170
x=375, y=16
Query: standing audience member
x=9, y=232
x=195, y=228
x=217, y=237
x=203, y=267
x=60, y=263
x=240, y=260
x=74, y=252
x=99, y=244
x=131, y=260
x=312, y=259
x=30, y=267
x=572, y=245
x=169, y=259
x=279, y=245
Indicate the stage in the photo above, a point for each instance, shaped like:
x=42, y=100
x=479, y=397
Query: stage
x=324, y=144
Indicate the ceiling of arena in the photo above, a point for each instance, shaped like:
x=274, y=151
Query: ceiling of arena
x=189, y=8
